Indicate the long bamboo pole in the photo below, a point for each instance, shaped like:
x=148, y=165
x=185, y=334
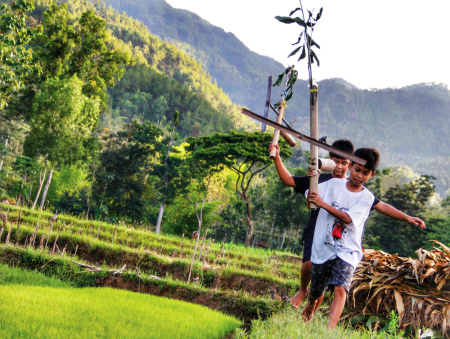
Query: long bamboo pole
x=314, y=150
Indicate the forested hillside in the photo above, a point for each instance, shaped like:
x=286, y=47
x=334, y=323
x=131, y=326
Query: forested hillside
x=409, y=124
x=241, y=73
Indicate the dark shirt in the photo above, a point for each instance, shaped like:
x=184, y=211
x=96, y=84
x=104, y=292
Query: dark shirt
x=301, y=186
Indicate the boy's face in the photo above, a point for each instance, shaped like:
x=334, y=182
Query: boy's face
x=341, y=167
x=359, y=175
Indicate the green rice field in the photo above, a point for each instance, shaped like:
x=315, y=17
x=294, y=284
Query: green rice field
x=49, y=312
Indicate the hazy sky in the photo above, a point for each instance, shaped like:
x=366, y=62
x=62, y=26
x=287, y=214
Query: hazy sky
x=371, y=44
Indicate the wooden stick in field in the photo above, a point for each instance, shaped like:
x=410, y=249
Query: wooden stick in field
x=203, y=242
x=114, y=234
x=18, y=228
x=181, y=246
x=35, y=234
x=41, y=243
x=206, y=252
x=98, y=233
x=54, y=244
x=9, y=234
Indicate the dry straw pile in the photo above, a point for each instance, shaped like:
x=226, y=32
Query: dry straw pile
x=417, y=289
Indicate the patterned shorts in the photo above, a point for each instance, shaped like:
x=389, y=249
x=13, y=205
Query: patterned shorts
x=335, y=272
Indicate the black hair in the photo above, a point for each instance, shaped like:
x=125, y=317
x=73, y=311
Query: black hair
x=371, y=155
x=344, y=145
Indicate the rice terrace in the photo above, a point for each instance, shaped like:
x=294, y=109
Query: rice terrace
x=158, y=179
x=63, y=278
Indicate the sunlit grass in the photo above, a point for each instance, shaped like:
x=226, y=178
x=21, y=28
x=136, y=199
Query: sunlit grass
x=15, y=275
x=46, y=312
x=289, y=324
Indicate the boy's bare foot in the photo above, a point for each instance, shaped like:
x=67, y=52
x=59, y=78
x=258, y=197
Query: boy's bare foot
x=297, y=299
x=308, y=311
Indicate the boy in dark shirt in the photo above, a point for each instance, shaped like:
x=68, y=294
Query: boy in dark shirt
x=301, y=184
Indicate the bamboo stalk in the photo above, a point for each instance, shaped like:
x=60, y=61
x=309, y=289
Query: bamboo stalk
x=314, y=150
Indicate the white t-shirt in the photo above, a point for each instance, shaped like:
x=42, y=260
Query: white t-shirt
x=357, y=205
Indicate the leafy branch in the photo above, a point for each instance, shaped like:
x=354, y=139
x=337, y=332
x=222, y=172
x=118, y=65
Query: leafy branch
x=305, y=48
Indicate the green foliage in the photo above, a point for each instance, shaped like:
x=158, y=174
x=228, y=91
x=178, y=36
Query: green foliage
x=181, y=217
x=66, y=50
x=306, y=43
x=62, y=122
x=155, y=97
x=125, y=163
x=279, y=205
x=15, y=58
x=396, y=236
x=243, y=153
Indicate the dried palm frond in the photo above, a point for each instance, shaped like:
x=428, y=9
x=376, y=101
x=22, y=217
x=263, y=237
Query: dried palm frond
x=417, y=289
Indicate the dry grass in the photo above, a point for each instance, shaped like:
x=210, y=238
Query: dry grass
x=417, y=289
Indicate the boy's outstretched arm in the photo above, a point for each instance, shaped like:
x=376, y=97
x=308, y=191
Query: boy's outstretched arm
x=283, y=173
x=315, y=198
x=392, y=212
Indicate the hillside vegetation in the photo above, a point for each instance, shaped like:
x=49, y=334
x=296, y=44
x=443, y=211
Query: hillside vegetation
x=408, y=125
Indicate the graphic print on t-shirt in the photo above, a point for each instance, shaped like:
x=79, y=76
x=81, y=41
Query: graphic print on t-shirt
x=338, y=229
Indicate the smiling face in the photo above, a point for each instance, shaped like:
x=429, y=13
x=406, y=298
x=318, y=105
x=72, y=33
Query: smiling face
x=341, y=167
x=359, y=175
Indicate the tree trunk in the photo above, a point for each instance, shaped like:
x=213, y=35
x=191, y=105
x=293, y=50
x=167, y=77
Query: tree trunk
x=47, y=185
x=250, y=225
x=41, y=182
x=4, y=152
x=160, y=215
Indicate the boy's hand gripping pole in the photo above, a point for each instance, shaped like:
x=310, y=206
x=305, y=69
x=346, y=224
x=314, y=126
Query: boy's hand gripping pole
x=276, y=133
x=314, y=150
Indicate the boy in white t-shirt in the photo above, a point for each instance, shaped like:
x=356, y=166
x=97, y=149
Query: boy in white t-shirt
x=336, y=251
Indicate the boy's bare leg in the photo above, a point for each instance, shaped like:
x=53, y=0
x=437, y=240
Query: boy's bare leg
x=310, y=308
x=305, y=276
x=337, y=306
